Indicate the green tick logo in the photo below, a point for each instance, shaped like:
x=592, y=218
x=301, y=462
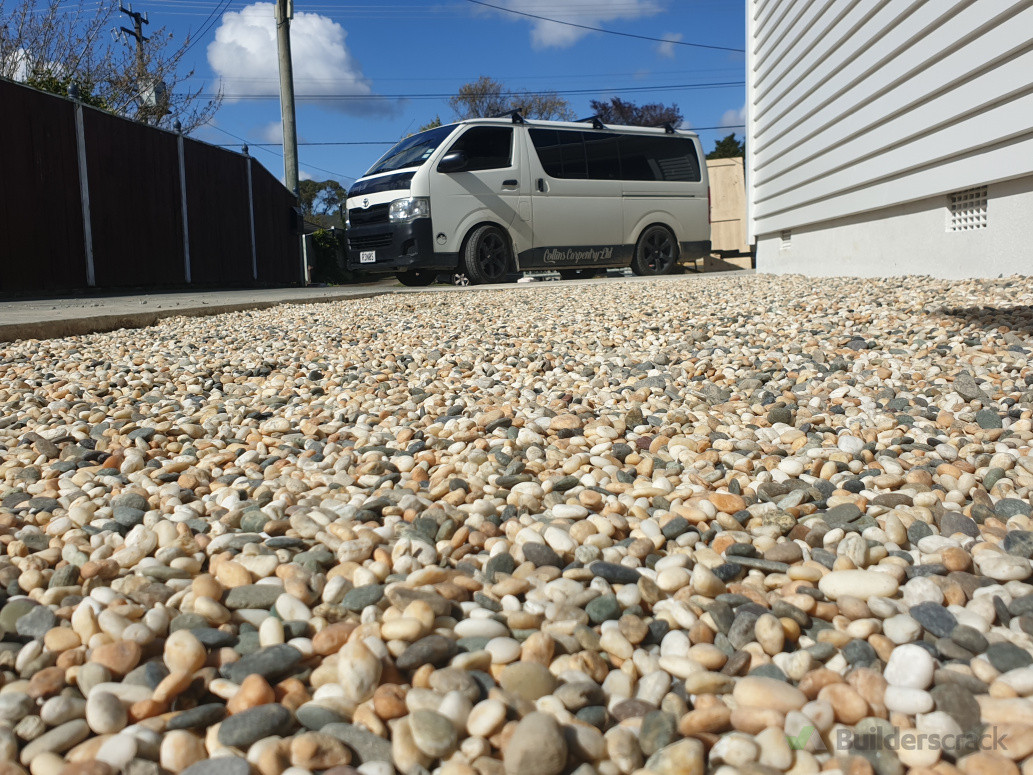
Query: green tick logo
x=799, y=742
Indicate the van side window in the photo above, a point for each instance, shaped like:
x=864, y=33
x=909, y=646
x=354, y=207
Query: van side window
x=562, y=152
x=547, y=145
x=658, y=158
x=486, y=147
x=603, y=160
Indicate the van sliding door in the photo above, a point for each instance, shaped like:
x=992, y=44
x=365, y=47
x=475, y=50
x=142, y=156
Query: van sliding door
x=577, y=218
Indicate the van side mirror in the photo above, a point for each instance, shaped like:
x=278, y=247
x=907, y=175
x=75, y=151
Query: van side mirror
x=453, y=162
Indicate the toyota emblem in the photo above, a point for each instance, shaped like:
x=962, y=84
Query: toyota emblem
x=365, y=203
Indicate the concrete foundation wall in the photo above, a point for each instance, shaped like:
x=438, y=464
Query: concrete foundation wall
x=912, y=238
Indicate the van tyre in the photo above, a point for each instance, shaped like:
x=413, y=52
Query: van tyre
x=486, y=256
x=656, y=252
x=416, y=278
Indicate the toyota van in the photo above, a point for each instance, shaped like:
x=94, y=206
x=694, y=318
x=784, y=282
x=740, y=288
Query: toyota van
x=496, y=196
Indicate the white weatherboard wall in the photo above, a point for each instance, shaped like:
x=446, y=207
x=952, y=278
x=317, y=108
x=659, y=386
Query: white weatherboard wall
x=866, y=115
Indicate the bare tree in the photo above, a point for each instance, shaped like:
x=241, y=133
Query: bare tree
x=618, y=111
x=488, y=97
x=52, y=44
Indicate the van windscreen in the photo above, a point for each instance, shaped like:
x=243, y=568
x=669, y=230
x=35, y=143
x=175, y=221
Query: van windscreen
x=412, y=151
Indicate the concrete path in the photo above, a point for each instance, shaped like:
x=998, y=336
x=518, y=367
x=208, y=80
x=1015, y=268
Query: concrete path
x=47, y=318
x=72, y=316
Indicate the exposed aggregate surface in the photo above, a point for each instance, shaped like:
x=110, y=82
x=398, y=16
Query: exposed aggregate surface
x=632, y=527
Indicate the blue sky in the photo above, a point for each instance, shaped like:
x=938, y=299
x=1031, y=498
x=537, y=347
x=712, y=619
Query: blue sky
x=370, y=72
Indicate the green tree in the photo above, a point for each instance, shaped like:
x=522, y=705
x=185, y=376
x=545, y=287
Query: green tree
x=327, y=258
x=618, y=111
x=433, y=124
x=50, y=44
x=728, y=148
x=60, y=85
x=322, y=201
x=488, y=97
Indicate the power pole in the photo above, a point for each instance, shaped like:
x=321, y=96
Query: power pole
x=148, y=95
x=284, y=14
x=139, y=20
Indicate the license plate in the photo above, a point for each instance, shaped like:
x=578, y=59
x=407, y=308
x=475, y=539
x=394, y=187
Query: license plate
x=368, y=257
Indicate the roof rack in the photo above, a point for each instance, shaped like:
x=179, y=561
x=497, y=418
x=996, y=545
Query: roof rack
x=668, y=129
x=597, y=123
x=513, y=114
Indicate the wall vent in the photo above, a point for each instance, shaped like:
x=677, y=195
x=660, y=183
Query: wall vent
x=787, y=241
x=966, y=210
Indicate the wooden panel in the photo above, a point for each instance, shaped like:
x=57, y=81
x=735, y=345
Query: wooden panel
x=872, y=103
x=278, y=249
x=727, y=205
x=41, y=227
x=991, y=126
x=817, y=42
x=996, y=163
x=959, y=83
x=789, y=36
x=898, y=58
x=217, y=211
x=884, y=45
x=135, y=202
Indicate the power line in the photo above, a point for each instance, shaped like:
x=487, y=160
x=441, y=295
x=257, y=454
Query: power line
x=446, y=95
x=217, y=12
x=389, y=10
x=608, y=32
x=392, y=142
x=522, y=77
x=343, y=142
x=262, y=147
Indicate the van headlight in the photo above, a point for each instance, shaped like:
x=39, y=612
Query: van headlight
x=403, y=210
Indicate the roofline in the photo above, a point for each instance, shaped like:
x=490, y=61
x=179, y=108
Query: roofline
x=580, y=125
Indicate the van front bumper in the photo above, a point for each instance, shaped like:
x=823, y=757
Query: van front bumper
x=396, y=247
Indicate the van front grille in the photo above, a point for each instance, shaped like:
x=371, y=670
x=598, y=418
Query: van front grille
x=370, y=241
x=364, y=217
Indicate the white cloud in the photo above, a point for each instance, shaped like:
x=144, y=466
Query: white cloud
x=734, y=118
x=666, y=49
x=591, y=13
x=272, y=133
x=244, y=55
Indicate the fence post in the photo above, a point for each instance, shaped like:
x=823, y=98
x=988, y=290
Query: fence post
x=84, y=183
x=251, y=216
x=183, y=199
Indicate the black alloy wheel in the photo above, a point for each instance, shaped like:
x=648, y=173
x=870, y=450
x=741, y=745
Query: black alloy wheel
x=656, y=252
x=486, y=256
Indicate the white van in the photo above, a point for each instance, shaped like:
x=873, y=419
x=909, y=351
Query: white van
x=490, y=197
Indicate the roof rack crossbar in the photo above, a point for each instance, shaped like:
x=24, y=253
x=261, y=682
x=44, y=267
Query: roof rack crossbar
x=595, y=121
x=513, y=114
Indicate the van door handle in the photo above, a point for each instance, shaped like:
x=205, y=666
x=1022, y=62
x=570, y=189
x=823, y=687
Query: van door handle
x=541, y=185
x=510, y=183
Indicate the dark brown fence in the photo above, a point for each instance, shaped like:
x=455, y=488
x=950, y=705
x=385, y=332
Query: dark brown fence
x=93, y=200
